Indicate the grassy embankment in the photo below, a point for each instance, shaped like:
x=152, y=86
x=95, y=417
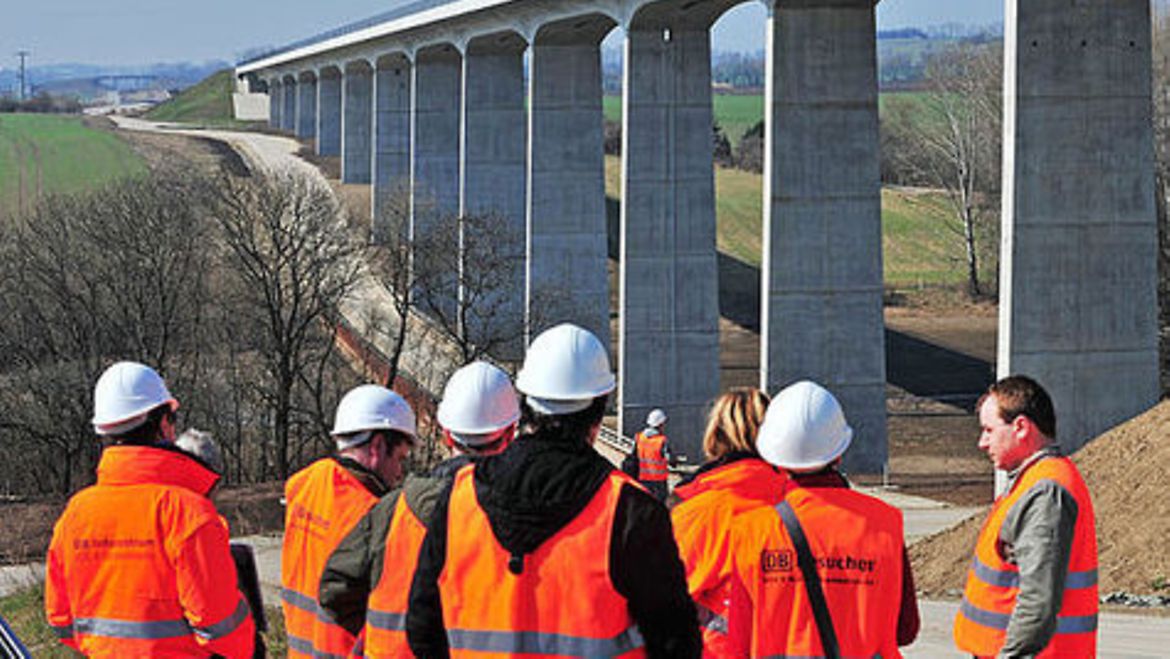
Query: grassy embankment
x=208, y=103
x=46, y=154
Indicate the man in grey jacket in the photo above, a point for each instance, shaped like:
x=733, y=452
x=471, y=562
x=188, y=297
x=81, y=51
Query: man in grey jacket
x=1033, y=581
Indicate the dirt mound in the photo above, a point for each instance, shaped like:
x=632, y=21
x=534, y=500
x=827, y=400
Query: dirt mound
x=1126, y=470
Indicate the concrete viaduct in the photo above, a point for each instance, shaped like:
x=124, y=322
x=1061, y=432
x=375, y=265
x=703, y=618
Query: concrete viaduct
x=496, y=105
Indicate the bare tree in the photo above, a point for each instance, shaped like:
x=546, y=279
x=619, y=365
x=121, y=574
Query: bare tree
x=84, y=281
x=951, y=139
x=486, y=254
x=296, y=263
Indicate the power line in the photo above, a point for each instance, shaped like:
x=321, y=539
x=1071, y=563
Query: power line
x=22, y=54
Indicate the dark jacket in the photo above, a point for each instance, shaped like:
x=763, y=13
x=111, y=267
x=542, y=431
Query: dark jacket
x=355, y=567
x=529, y=493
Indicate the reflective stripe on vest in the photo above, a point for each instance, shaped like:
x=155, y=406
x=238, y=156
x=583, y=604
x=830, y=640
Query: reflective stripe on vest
x=543, y=643
x=651, y=461
x=62, y=631
x=993, y=584
x=562, y=601
x=1011, y=578
x=154, y=629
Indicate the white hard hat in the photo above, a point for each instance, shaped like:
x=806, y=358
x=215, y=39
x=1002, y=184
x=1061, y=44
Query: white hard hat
x=804, y=428
x=370, y=407
x=477, y=402
x=566, y=367
x=655, y=418
x=125, y=394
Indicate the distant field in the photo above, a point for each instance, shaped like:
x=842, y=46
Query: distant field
x=918, y=249
x=42, y=154
x=736, y=113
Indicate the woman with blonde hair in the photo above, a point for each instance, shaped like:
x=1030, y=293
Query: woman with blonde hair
x=734, y=479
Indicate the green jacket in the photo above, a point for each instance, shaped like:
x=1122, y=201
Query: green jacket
x=355, y=567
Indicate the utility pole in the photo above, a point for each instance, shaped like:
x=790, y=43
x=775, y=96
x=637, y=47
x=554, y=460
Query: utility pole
x=22, y=54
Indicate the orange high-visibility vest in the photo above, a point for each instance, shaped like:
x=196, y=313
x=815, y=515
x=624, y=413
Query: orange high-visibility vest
x=702, y=522
x=385, y=631
x=324, y=502
x=139, y=564
x=563, y=601
x=651, y=459
x=857, y=543
x=993, y=584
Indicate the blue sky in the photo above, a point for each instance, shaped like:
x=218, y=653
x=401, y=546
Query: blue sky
x=119, y=32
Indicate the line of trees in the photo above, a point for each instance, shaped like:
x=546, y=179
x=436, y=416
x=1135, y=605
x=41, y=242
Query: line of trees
x=232, y=286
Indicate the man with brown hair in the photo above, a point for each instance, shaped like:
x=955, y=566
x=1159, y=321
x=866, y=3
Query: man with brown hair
x=1032, y=585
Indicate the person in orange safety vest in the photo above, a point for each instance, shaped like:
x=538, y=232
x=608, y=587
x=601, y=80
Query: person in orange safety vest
x=545, y=548
x=852, y=549
x=733, y=480
x=374, y=429
x=653, y=454
x=367, y=578
x=1032, y=586
x=139, y=563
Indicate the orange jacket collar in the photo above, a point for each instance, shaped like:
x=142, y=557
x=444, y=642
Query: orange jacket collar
x=134, y=465
x=749, y=474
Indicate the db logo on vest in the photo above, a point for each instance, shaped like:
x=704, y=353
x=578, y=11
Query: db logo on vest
x=777, y=560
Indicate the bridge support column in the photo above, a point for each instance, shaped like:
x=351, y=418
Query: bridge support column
x=822, y=265
x=494, y=188
x=669, y=354
x=1078, y=280
x=307, y=107
x=288, y=113
x=357, y=103
x=436, y=167
x=567, y=246
x=391, y=144
x=275, y=103
x=329, y=112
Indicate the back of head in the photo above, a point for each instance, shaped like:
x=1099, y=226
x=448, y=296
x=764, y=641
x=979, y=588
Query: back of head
x=565, y=380
x=201, y=445
x=1020, y=395
x=368, y=408
x=479, y=405
x=804, y=429
x=734, y=422
x=126, y=397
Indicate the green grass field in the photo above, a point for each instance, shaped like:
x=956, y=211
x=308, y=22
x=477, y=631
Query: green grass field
x=918, y=248
x=736, y=113
x=45, y=154
x=207, y=103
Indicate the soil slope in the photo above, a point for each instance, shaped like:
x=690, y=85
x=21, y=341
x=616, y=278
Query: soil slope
x=1126, y=470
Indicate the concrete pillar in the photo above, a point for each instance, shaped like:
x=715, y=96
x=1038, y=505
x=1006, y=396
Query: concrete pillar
x=1078, y=305
x=435, y=172
x=275, y=103
x=307, y=106
x=329, y=112
x=669, y=355
x=567, y=246
x=494, y=167
x=822, y=265
x=391, y=174
x=288, y=114
x=357, y=122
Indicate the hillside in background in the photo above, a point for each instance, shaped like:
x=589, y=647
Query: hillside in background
x=208, y=102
